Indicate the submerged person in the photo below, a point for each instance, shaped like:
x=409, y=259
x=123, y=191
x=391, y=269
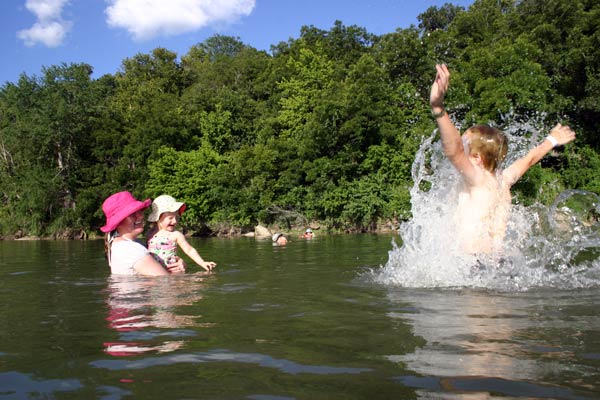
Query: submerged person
x=163, y=238
x=124, y=223
x=484, y=199
x=308, y=234
x=279, y=239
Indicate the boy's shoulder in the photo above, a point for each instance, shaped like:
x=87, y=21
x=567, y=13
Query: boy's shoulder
x=482, y=179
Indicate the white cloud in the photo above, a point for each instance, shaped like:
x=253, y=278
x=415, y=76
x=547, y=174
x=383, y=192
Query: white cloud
x=46, y=9
x=145, y=19
x=50, y=29
x=50, y=33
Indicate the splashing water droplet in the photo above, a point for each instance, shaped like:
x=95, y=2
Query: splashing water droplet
x=557, y=246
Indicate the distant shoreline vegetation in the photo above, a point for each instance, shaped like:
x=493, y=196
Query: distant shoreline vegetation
x=325, y=128
x=257, y=232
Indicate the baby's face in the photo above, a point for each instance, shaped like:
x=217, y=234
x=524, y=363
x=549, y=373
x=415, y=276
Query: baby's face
x=168, y=221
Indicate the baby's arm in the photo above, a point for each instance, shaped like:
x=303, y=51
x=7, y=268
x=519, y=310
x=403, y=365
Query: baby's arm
x=559, y=135
x=192, y=252
x=451, y=140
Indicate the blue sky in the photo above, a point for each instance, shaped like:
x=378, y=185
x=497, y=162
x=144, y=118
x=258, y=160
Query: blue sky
x=102, y=33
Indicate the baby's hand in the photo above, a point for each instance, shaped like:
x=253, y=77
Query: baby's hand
x=208, y=265
x=563, y=134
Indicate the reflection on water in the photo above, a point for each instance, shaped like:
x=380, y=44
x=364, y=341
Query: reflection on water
x=477, y=343
x=293, y=322
x=144, y=311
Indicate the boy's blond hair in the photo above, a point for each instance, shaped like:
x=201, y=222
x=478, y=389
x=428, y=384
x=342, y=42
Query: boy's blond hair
x=491, y=145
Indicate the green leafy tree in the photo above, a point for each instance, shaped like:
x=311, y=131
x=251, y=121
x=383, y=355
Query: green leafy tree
x=324, y=128
x=187, y=176
x=46, y=130
x=504, y=78
x=226, y=79
x=438, y=18
x=146, y=101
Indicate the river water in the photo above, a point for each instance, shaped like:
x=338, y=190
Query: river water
x=310, y=320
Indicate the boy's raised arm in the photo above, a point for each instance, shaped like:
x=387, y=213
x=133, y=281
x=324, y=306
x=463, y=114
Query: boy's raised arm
x=451, y=140
x=559, y=135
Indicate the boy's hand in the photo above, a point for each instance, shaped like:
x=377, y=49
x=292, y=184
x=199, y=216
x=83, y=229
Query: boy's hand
x=440, y=86
x=563, y=134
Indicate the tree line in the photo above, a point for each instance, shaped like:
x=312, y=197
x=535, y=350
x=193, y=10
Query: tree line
x=321, y=129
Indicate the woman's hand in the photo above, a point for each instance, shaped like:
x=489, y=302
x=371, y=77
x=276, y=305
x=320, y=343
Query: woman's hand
x=177, y=266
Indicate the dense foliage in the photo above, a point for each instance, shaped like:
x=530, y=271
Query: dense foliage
x=323, y=128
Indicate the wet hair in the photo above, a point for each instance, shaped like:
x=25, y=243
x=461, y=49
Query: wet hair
x=491, y=145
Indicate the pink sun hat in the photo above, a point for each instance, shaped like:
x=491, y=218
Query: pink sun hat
x=165, y=203
x=119, y=206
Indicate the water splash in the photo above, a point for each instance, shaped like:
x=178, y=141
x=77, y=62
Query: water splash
x=556, y=247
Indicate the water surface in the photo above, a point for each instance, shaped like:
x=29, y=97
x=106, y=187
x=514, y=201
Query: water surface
x=304, y=321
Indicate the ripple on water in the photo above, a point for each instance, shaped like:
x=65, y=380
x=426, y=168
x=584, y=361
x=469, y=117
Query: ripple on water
x=486, y=385
x=17, y=385
x=283, y=365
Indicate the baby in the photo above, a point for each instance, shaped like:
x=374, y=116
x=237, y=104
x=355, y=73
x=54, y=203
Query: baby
x=484, y=200
x=163, y=239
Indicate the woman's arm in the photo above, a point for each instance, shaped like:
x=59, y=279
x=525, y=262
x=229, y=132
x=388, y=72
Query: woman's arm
x=148, y=265
x=176, y=267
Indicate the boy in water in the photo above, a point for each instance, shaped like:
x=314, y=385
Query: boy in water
x=484, y=199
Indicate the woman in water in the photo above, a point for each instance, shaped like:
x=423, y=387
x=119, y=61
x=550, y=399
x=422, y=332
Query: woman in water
x=124, y=223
